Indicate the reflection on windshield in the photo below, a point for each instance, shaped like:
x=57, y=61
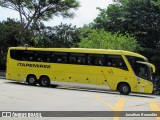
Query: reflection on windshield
x=142, y=71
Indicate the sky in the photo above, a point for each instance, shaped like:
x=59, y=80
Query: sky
x=84, y=15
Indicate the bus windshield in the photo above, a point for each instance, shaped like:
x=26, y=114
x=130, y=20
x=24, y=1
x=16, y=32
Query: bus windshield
x=141, y=67
x=144, y=71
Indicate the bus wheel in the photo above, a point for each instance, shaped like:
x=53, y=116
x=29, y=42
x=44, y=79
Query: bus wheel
x=124, y=89
x=31, y=80
x=44, y=81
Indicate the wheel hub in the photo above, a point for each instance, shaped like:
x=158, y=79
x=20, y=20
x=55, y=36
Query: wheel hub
x=31, y=80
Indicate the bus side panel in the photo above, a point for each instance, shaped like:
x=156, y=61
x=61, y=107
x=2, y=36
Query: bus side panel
x=74, y=75
x=13, y=72
x=78, y=75
x=115, y=80
x=115, y=75
x=144, y=86
x=18, y=71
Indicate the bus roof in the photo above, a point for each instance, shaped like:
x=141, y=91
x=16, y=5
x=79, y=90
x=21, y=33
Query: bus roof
x=82, y=50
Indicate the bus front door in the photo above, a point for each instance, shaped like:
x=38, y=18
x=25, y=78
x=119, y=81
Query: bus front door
x=144, y=84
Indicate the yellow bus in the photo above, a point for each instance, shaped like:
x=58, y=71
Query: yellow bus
x=115, y=70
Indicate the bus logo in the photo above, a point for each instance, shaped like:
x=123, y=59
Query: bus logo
x=6, y=114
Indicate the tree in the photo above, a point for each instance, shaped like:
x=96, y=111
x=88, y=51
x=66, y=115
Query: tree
x=98, y=38
x=34, y=11
x=58, y=36
x=11, y=32
x=141, y=18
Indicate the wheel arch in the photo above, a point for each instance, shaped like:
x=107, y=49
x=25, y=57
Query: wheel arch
x=123, y=83
x=44, y=76
x=44, y=83
x=29, y=76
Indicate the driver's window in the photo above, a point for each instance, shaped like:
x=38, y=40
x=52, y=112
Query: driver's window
x=142, y=71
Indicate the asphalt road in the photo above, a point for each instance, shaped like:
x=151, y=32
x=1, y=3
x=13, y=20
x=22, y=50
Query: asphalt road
x=22, y=97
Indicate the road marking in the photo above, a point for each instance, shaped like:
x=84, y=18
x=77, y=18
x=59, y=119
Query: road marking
x=117, y=107
x=154, y=106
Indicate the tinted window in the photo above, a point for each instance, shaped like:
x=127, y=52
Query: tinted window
x=95, y=59
x=116, y=61
x=132, y=60
x=77, y=58
x=69, y=58
x=58, y=57
x=39, y=56
x=22, y=55
x=142, y=71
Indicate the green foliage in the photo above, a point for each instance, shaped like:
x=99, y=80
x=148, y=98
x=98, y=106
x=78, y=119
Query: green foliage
x=34, y=11
x=141, y=18
x=59, y=36
x=11, y=34
x=98, y=38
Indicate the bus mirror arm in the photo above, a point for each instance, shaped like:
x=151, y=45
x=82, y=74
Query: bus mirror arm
x=138, y=79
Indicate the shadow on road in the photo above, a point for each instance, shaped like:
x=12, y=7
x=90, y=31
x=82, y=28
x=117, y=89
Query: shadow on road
x=85, y=90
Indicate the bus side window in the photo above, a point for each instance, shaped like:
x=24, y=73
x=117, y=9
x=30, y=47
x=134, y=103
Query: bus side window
x=81, y=60
x=109, y=63
x=28, y=55
x=17, y=55
x=100, y=62
x=72, y=60
x=47, y=56
x=89, y=60
x=52, y=57
x=77, y=58
x=59, y=57
x=116, y=61
x=96, y=59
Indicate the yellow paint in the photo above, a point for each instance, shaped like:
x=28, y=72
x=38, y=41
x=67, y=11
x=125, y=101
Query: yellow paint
x=103, y=76
x=117, y=107
x=154, y=106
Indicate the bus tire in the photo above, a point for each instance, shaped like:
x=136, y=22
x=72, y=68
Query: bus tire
x=31, y=80
x=44, y=81
x=124, y=89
